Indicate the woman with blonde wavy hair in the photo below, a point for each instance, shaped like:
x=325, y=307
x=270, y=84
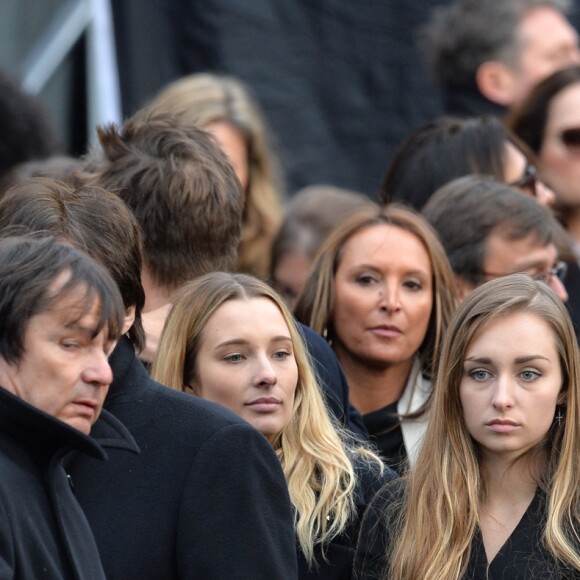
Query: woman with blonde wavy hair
x=223, y=106
x=229, y=338
x=496, y=489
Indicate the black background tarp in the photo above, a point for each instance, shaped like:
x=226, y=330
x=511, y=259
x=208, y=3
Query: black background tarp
x=340, y=82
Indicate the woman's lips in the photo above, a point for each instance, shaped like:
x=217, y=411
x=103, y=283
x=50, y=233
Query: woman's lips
x=502, y=425
x=265, y=404
x=387, y=331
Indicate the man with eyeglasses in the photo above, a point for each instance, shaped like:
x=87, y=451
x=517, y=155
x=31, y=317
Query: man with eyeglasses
x=489, y=229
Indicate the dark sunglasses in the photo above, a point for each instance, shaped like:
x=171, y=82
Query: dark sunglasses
x=528, y=180
x=571, y=138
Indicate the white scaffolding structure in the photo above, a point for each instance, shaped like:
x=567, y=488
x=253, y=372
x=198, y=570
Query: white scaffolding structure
x=75, y=18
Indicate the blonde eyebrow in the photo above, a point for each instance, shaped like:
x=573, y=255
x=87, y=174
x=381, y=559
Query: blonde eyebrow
x=241, y=341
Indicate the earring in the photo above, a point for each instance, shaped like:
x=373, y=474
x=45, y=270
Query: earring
x=559, y=416
x=325, y=336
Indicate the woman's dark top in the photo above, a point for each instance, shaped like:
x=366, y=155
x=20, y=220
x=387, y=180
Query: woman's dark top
x=384, y=428
x=522, y=557
x=340, y=551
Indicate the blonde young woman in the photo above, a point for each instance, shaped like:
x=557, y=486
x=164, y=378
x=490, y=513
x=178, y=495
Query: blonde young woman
x=496, y=489
x=229, y=338
x=381, y=290
x=224, y=107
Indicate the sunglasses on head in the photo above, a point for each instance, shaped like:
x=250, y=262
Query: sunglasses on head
x=571, y=138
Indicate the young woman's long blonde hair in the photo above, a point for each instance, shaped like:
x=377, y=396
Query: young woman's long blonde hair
x=320, y=475
x=441, y=508
x=205, y=98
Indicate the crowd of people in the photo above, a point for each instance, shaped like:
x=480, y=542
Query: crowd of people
x=199, y=380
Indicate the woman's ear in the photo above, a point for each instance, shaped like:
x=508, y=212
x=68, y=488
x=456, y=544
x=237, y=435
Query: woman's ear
x=129, y=319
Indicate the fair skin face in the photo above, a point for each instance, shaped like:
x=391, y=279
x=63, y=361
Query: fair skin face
x=383, y=301
x=246, y=363
x=505, y=256
x=64, y=370
x=233, y=144
x=560, y=164
x=511, y=384
x=515, y=164
x=547, y=43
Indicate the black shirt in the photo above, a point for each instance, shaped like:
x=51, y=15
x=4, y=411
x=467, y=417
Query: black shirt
x=385, y=432
x=522, y=557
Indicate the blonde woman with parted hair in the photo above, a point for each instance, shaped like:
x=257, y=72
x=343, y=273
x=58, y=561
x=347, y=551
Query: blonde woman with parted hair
x=224, y=107
x=495, y=492
x=229, y=338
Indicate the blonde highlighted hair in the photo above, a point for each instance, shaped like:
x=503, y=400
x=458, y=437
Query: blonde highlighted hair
x=441, y=508
x=204, y=98
x=320, y=475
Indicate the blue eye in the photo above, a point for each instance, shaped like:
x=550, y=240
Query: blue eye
x=479, y=374
x=234, y=358
x=530, y=375
x=281, y=354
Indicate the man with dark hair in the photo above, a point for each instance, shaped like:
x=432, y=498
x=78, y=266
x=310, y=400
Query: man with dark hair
x=61, y=315
x=81, y=215
x=186, y=198
x=487, y=55
x=206, y=497
x=184, y=194
x=489, y=229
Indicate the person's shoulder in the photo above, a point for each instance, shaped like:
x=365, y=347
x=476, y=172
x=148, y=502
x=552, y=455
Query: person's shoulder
x=391, y=493
x=378, y=525
x=372, y=476
x=315, y=343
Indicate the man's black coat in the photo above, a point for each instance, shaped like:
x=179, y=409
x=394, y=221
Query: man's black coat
x=43, y=531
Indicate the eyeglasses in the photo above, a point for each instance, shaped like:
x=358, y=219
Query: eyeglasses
x=559, y=271
x=571, y=138
x=528, y=180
